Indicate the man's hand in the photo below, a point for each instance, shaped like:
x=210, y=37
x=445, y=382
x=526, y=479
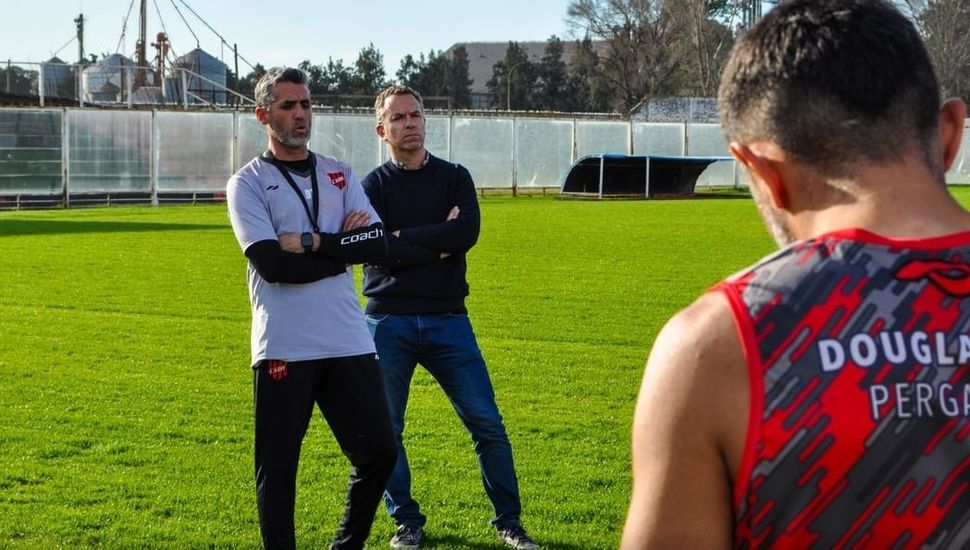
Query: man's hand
x=290, y=242
x=452, y=215
x=356, y=219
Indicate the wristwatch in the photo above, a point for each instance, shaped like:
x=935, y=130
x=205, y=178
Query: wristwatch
x=306, y=240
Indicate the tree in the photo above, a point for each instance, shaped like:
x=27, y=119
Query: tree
x=337, y=78
x=433, y=79
x=945, y=25
x=437, y=75
x=659, y=47
x=247, y=86
x=16, y=81
x=587, y=90
x=315, y=74
x=408, y=73
x=639, y=34
x=369, y=77
x=459, y=83
x=429, y=76
x=552, y=89
x=516, y=65
x=703, y=49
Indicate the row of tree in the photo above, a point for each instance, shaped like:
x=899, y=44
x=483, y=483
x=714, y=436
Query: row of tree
x=437, y=76
x=631, y=51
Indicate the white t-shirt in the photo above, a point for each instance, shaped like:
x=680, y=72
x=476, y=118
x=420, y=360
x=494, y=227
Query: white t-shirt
x=299, y=322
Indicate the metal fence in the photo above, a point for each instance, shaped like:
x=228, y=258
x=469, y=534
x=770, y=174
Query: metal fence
x=71, y=156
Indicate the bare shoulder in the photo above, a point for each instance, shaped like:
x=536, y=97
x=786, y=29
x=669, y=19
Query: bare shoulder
x=698, y=373
x=698, y=346
x=688, y=431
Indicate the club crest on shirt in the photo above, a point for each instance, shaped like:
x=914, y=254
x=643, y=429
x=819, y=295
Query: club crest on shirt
x=277, y=369
x=337, y=179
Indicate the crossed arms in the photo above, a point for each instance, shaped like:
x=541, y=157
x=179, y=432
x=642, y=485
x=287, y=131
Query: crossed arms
x=427, y=244
x=285, y=260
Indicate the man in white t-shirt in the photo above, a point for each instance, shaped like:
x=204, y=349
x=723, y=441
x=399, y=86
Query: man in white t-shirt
x=300, y=219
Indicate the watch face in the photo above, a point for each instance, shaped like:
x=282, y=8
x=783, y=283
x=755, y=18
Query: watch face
x=306, y=239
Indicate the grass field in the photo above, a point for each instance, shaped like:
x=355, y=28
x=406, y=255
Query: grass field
x=126, y=394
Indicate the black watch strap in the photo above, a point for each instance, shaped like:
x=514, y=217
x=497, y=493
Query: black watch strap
x=306, y=239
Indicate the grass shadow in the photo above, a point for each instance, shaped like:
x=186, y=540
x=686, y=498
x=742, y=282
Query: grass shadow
x=60, y=227
x=451, y=542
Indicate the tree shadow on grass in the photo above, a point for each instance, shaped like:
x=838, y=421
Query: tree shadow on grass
x=59, y=227
x=452, y=542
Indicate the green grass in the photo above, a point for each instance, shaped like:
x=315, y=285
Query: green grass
x=126, y=393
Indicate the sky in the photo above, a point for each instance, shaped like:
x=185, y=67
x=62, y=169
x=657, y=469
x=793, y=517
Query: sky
x=275, y=32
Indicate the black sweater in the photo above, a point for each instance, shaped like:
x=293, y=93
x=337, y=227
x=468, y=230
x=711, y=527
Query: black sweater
x=415, y=279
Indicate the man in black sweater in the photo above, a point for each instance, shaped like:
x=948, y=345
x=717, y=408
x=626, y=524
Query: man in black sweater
x=416, y=309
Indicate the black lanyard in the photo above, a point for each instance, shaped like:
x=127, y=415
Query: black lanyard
x=315, y=192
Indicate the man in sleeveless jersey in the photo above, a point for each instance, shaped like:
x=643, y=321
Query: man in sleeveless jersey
x=821, y=397
x=301, y=218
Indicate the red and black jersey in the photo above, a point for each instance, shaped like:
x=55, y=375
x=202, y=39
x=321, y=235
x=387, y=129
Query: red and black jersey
x=858, y=349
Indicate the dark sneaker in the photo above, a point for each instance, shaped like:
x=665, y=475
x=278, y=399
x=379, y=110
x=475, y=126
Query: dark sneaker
x=516, y=537
x=408, y=537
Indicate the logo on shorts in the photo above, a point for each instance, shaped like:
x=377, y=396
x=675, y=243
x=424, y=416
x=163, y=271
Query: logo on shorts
x=277, y=369
x=337, y=179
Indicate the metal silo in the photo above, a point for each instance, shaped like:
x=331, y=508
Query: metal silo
x=211, y=88
x=58, y=78
x=107, y=80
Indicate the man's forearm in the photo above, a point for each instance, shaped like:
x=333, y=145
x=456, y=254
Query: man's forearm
x=362, y=245
x=453, y=236
x=278, y=266
x=403, y=254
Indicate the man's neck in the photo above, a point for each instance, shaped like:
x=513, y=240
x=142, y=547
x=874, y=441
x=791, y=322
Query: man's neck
x=895, y=200
x=282, y=152
x=412, y=159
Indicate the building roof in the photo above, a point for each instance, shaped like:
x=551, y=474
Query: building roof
x=482, y=56
x=200, y=58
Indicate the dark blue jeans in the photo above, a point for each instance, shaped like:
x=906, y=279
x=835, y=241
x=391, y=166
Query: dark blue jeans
x=445, y=345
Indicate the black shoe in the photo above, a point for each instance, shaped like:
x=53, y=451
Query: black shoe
x=516, y=537
x=408, y=537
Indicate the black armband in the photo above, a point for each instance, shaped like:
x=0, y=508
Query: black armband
x=357, y=246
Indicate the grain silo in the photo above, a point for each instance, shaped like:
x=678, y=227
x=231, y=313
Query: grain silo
x=107, y=80
x=210, y=88
x=58, y=79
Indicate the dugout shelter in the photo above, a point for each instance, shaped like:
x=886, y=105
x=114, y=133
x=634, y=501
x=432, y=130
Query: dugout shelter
x=634, y=176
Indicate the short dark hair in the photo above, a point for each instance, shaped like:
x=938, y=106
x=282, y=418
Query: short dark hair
x=394, y=89
x=831, y=81
x=275, y=75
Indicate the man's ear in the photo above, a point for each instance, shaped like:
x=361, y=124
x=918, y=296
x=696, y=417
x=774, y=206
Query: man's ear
x=379, y=129
x=262, y=115
x=765, y=162
x=953, y=112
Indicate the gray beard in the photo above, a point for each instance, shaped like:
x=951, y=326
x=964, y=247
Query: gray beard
x=286, y=138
